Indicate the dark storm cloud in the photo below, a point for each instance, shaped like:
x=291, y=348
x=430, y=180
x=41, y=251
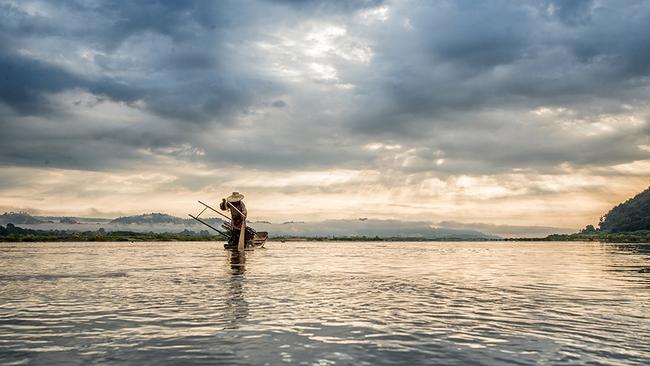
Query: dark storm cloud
x=437, y=73
x=279, y=104
x=107, y=24
x=573, y=12
x=462, y=60
x=471, y=35
x=25, y=83
x=182, y=76
x=336, y=6
x=469, y=55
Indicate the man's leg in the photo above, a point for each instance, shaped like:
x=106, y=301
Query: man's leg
x=234, y=238
x=248, y=236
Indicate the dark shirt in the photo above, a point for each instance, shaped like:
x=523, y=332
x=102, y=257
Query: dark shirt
x=237, y=219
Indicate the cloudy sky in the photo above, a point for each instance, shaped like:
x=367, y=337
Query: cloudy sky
x=493, y=112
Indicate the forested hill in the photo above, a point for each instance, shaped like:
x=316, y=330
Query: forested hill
x=631, y=215
x=152, y=218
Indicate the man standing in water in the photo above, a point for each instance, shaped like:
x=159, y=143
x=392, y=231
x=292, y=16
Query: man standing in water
x=238, y=214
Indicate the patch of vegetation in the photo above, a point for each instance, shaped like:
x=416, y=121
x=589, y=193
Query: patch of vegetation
x=630, y=216
x=151, y=218
x=12, y=233
x=639, y=236
x=628, y=222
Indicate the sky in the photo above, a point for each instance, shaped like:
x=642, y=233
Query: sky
x=519, y=113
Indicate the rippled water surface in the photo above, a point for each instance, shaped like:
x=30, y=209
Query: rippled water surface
x=325, y=303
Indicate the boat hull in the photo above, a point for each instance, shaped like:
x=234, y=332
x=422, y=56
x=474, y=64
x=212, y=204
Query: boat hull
x=257, y=241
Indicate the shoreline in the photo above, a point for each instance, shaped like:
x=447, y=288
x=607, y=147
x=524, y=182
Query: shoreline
x=12, y=233
x=114, y=239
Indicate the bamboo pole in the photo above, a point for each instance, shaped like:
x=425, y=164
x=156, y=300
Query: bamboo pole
x=215, y=210
x=210, y=226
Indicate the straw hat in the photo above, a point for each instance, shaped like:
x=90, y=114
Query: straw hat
x=235, y=197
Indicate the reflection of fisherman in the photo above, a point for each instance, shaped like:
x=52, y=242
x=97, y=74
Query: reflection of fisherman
x=236, y=310
x=237, y=262
x=238, y=215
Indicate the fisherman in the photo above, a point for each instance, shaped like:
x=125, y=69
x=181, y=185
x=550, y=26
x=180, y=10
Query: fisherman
x=238, y=213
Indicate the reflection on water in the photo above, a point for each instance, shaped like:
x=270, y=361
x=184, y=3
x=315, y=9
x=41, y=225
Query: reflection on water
x=237, y=262
x=325, y=303
x=236, y=304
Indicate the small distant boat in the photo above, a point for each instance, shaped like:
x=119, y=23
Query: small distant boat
x=257, y=239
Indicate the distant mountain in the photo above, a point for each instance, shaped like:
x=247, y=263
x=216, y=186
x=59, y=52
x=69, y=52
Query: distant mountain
x=19, y=218
x=631, y=215
x=150, y=219
x=161, y=220
x=369, y=228
x=507, y=231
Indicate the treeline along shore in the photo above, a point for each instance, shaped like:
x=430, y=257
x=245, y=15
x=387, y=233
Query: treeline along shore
x=13, y=233
x=641, y=236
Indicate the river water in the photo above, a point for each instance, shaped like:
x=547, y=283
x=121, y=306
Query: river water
x=323, y=303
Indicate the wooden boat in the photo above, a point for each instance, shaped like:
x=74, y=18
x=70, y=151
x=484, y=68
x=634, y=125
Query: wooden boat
x=255, y=239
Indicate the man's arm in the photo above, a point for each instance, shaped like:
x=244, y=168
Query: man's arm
x=243, y=210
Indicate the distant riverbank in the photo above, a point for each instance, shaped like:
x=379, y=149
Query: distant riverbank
x=12, y=233
x=641, y=236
